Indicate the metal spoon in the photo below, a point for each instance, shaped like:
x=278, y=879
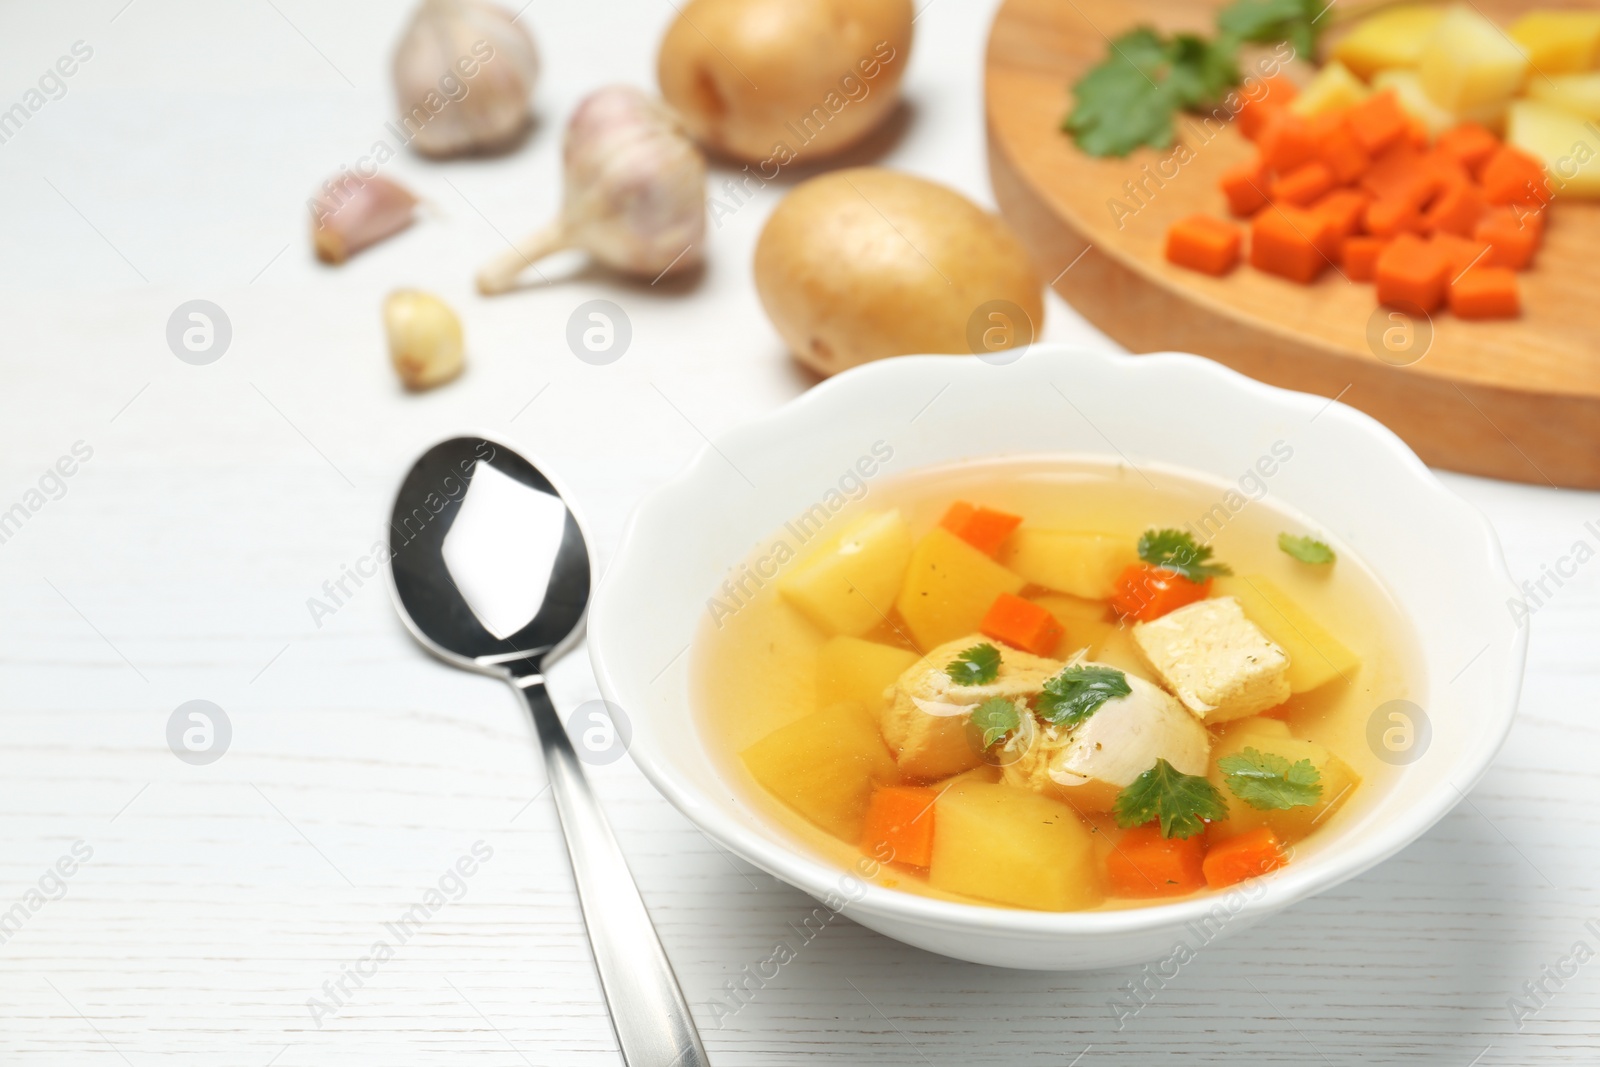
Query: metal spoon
x=648, y=1012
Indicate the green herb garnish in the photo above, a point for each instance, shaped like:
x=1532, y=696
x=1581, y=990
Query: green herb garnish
x=1129, y=98
x=996, y=717
x=1076, y=692
x=978, y=665
x=1182, y=802
x=1176, y=550
x=1270, y=782
x=1306, y=549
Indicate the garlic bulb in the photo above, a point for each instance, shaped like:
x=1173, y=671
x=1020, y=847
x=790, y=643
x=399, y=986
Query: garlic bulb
x=424, y=338
x=634, y=192
x=350, y=212
x=463, y=76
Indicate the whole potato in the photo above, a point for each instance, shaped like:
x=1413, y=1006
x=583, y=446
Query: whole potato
x=860, y=264
x=769, y=81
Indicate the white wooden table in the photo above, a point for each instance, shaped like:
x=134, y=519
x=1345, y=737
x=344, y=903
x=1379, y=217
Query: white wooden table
x=234, y=913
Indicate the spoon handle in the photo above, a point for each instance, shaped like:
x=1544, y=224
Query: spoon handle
x=648, y=1012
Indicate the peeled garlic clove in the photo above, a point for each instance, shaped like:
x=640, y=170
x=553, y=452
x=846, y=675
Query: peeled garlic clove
x=349, y=213
x=463, y=76
x=634, y=192
x=424, y=338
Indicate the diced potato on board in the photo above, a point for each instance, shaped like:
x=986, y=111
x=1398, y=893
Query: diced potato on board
x=1469, y=65
x=1559, y=42
x=848, y=587
x=1577, y=93
x=1561, y=141
x=949, y=586
x=1415, y=101
x=1333, y=88
x=824, y=766
x=1012, y=847
x=1388, y=39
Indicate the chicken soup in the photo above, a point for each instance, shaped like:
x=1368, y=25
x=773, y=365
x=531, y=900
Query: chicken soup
x=1053, y=684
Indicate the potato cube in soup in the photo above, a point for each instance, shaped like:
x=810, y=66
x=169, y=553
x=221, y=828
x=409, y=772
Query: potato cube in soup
x=1335, y=777
x=1562, y=142
x=1577, y=93
x=1469, y=65
x=1086, y=622
x=948, y=588
x=1080, y=564
x=1012, y=847
x=1333, y=89
x=824, y=765
x=1392, y=38
x=1316, y=657
x=848, y=587
x=1215, y=660
x=1559, y=42
x=862, y=672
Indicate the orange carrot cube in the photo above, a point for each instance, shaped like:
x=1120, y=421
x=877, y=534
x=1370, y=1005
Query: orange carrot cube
x=1345, y=208
x=1456, y=209
x=1514, y=177
x=1146, y=592
x=1412, y=274
x=1286, y=142
x=1486, y=293
x=1303, y=184
x=1512, y=238
x=1263, y=99
x=1378, y=121
x=1338, y=148
x=1205, y=244
x=1291, y=242
x=1142, y=863
x=1248, y=855
x=982, y=528
x=1459, y=252
x=1468, y=144
x=1021, y=624
x=1392, y=215
x=1245, y=186
x=1359, y=257
x=899, y=824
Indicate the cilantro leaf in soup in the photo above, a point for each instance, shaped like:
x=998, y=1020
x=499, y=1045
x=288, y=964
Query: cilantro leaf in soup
x=996, y=717
x=1306, y=549
x=1269, y=782
x=978, y=665
x=1181, y=802
x=1176, y=550
x=1074, y=693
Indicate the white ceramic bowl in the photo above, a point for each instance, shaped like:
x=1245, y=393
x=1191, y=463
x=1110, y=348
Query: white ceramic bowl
x=1355, y=479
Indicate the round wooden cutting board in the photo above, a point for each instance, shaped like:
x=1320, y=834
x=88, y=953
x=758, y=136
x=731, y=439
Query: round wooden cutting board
x=1516, y=399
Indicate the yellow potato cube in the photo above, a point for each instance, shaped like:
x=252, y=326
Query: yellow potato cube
x=1469, y=65
x=1012, y=847
x=1117, y=649
x=824, y=766
x=1316, y=657
x=1559, y=42
x=857, y=671
x=1086, y=622
x=1414, y=101
x=1333, y=88
x=1577, y=93
x=848, y=587
x=1392, y=38
x=1565, y=143
x=949, y=587
x=1337, y=780
x=1080, y=564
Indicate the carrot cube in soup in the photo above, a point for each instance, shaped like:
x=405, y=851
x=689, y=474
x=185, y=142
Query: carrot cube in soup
x=1012, y=846
x=1291, y=242
x=1203, y=243
x=982, y=528
x=1469, y=144
x=1485, y=293
x=1245, y=186
x=1512, y=239
x=1021, y=624
x=825, y=766
x=899, y=825
x=949, y=585
x=1146, y=592
x=1303, y=184
x=1142, y=863
x=1511, y=176
x=1412, y=274
x=1246, y=856
x=1378, y=121
x=1359, y=257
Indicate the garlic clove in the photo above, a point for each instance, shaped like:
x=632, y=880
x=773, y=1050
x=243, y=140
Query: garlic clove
x=634, y=192
x=425, y=341
x=464, y=73
x=350, y=213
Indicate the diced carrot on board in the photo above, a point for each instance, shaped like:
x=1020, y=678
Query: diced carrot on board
x=1345, y=208
x=1359, y=257
x=983, y=528
x=1252, y=853
x=1146, y=592
x=1514, y=177
x=1456, y=209
x=1459, y=252
x=1303, y=184
x=1398, y=174
x=900, y=818
x=1142, y=863
x=1378, y=121
x=1512, y=238
x=1412, y=274
x=1486, y=293
x=1286, y=142
x=1262, y=99
x=1291, y=242
x=1021, y=624
x=1338, y=148
x=1203, y=243
x=1392, y=215
x=1469, y=144
x=1245, y=186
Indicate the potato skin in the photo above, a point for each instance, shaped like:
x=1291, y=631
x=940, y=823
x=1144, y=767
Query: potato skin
x=860, y=264
x=776, y=80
